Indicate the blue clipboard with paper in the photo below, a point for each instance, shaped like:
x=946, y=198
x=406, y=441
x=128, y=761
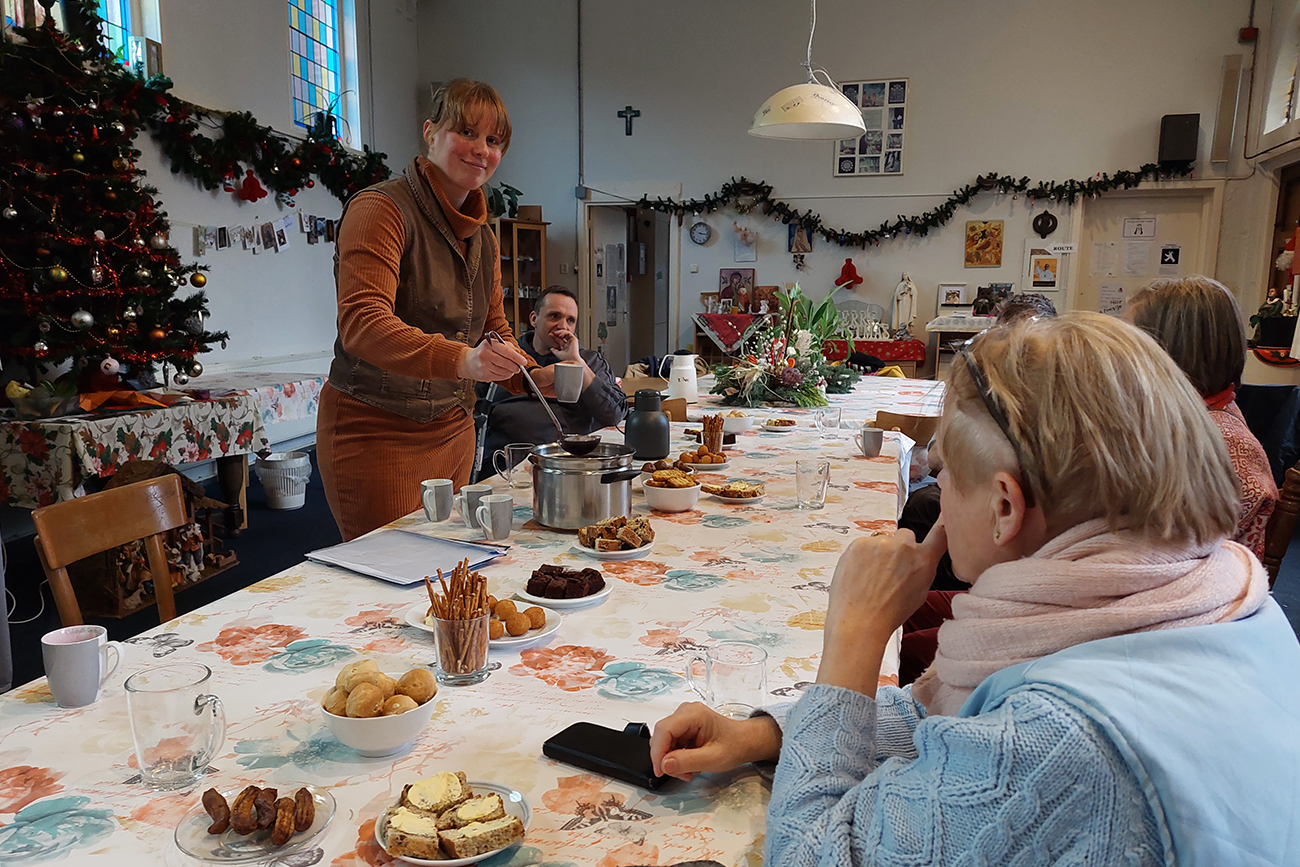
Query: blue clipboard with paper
x=403, y=557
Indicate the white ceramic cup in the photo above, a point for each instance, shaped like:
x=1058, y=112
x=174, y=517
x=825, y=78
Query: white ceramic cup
x=869, y=441
x=77, y=663
x=496, y=515
x=467, y=502
x=735, y=677
x=568, y=381
x=436, y=495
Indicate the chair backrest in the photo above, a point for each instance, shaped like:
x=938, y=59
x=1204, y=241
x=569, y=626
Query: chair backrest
x=1281, y=526
x=74, y=529
x=675, y=408
x=918, y=427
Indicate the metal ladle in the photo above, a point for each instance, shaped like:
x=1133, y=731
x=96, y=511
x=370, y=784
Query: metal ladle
x=575, y=444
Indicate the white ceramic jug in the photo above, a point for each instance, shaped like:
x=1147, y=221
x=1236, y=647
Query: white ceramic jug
x=681, y=378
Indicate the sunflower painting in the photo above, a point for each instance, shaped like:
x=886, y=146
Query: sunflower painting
x=983, y=243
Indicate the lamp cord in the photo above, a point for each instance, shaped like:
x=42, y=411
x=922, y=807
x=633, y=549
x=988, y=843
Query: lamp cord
x=808, y=64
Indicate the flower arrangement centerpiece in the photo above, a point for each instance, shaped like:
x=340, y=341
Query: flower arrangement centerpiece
x=784, y=364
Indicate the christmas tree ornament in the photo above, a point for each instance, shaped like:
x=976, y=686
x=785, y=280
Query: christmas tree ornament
x=120, y=164
x=310, y=183
x=223, y=343
x=110, y=195
x=58, y=112
x=44, y=326
x=58, y=274
x=180, y=378
x=78, y=158
x=158, y=242
x=41, y=347
x=194, y=324
x=10, y=213
x=143, y=275
x=137, y=241
x=42, y=251
x=96, y=271
x=99, y=234
x=110, y=366
x=81, y=320
x=112, y=332
x=118, y=127
x=199, y=280
x=196, y=369
x=129, y=314
x=157, y=334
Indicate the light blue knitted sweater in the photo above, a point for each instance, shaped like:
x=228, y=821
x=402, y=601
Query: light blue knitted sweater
x=1165, y=747
x=865, y=781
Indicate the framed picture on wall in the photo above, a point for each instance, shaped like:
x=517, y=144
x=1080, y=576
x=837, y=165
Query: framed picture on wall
x=879, y=151
x=984, y=243
x=733, y=282
x=954, y=295
x=1043, y=268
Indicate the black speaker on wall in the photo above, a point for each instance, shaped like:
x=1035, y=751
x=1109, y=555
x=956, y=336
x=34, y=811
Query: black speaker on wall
x=1178, y=138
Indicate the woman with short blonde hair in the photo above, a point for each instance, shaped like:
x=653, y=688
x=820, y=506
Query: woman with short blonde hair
x=1199, y=324
x=1117, y=688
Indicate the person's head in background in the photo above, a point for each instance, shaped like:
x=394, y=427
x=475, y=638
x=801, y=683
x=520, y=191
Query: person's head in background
x=1199, y=324
x=554, y=318
x=1024, y=305
x=467, y=133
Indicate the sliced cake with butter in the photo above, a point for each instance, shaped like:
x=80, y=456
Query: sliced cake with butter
x=483, y=808
x=437, y=794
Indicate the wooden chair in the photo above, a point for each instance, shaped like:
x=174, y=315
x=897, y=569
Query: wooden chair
x=1281, y=526
x=919, y=427
x=68, y=531
x=675, y=409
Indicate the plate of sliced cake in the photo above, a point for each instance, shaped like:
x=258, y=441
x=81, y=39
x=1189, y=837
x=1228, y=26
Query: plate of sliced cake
x=447, y=820
x=617, y=538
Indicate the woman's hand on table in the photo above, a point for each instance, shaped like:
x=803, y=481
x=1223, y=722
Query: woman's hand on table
x=879, y=582
x=491, y=362
x=695, y=739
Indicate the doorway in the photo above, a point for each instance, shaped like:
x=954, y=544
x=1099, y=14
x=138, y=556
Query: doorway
x=628, y=298
x=1129, y=238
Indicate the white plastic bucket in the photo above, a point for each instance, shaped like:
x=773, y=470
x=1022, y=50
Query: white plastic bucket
x=284, y=477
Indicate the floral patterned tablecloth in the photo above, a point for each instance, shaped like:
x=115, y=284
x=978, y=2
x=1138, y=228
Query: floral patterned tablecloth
x=757, y=572
x=48, y=460
x=870, y=395
x=280, y=396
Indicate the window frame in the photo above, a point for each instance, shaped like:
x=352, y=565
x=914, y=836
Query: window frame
x=344, y=96
x=1269, y=48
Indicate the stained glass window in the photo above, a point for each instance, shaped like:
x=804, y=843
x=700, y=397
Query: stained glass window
x=117, y=27
x=313, y=58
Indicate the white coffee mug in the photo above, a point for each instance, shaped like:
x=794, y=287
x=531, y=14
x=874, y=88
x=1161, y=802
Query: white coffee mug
x=467, y=502
x=568, y=381
x=869, y=441
x=77, y=663
x=496, y=515
x=436, y=496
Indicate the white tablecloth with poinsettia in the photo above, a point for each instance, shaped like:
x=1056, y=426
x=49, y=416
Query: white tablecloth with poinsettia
x=48, y=460
x=756, y=572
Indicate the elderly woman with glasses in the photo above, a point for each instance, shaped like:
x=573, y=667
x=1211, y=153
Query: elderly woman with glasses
x=1117, y=688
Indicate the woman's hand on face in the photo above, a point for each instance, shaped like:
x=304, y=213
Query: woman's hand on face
x=695, y=739
x=490, y=362
x=879, y=582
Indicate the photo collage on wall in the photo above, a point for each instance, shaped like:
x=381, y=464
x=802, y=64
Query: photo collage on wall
x=884, y=113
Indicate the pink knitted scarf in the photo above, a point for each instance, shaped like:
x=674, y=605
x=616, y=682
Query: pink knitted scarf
x=1087, y=583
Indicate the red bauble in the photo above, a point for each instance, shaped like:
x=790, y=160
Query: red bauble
x=310, y=183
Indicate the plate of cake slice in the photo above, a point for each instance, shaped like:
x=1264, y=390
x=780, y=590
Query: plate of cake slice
x=448, y=820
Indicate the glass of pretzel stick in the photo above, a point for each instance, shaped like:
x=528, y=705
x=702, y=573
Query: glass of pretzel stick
x=460, y=619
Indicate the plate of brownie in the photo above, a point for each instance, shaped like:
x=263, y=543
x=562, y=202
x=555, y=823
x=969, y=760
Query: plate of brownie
x=557, y=587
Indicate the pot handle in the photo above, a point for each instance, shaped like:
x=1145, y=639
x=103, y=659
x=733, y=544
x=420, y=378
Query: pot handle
x=622, y=476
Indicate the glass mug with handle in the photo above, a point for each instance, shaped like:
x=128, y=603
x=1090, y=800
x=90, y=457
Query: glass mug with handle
x=735, y=677
x=177, y=727
x=512, y=464
x=827, y=420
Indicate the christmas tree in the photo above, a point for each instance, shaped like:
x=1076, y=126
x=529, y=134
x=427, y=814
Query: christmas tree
x=87, y=271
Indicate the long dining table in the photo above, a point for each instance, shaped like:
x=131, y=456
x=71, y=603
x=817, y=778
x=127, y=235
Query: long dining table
x=758, y=572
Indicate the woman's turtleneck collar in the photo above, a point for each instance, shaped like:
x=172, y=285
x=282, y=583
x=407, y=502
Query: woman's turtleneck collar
x=466, y=219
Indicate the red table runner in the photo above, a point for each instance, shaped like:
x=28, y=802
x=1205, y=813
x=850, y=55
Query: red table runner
x=728, y=330
x=885, y=350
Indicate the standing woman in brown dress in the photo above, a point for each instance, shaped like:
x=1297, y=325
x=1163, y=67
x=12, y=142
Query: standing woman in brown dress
x=418, y=277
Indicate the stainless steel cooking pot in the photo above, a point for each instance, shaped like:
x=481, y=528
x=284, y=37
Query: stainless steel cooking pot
x=571, y=492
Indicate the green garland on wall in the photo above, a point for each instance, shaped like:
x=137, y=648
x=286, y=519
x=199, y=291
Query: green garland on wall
x=283, y=164
x=747, y=195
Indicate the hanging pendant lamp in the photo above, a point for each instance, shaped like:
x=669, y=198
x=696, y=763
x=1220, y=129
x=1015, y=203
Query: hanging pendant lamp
x=814, y=111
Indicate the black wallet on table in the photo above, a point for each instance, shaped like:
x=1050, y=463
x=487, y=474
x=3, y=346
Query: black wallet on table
x=623, y=755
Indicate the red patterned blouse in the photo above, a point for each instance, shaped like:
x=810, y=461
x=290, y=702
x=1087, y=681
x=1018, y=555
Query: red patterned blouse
x=1258, y=491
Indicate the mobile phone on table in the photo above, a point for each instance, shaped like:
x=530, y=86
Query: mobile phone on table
x=622, y=755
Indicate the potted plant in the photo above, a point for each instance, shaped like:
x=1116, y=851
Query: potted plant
x=503, y=200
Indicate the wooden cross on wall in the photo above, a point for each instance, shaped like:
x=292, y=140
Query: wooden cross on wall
x=628, y=114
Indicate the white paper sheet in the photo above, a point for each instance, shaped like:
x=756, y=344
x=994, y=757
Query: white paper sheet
x=402, y=557
x=1137, y=258
x=1112, y=299
x=1105, y=259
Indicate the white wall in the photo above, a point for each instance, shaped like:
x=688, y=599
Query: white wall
x=233, y=56
x=1043, y=88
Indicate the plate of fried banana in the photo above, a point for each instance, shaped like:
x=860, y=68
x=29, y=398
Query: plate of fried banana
x=254, y=823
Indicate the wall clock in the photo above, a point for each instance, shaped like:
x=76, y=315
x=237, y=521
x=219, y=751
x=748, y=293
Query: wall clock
x=700, y=232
